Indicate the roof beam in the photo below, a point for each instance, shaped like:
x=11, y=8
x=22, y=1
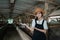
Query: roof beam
x=52, y=2
x=12, y=4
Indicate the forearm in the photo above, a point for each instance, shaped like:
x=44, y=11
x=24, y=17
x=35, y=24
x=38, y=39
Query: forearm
x=41, y=30
x=30, y=28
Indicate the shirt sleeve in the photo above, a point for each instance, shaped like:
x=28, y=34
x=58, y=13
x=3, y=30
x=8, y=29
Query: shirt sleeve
x=45, y=25
x=33, y=23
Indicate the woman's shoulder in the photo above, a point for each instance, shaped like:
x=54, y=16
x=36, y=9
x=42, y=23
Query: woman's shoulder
x=45, y=21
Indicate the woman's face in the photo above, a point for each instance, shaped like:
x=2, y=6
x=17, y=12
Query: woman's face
x=39, y=15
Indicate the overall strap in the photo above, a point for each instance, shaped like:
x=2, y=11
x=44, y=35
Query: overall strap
x=43, y=22
x=35, y=21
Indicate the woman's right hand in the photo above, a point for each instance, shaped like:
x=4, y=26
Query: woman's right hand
x=25, y=25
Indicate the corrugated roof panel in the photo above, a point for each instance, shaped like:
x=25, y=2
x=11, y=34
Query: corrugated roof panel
x=4, y=3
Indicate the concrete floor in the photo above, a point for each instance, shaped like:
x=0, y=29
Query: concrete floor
x=14, y=33
x=11, y=34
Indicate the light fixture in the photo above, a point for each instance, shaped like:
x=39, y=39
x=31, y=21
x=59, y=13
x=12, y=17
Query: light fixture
x=12, y=1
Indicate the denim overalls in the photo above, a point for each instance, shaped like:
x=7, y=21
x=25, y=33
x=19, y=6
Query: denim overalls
x=37, y=35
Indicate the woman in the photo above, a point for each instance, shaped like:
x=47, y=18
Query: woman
x=39, y=25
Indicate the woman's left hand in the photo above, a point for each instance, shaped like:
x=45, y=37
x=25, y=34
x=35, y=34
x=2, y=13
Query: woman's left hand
x=41, y=30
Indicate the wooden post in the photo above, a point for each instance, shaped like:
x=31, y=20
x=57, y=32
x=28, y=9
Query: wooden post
x=46, y=8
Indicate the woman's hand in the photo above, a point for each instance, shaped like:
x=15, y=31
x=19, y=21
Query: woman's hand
x=30, y=28
x=24, y=24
